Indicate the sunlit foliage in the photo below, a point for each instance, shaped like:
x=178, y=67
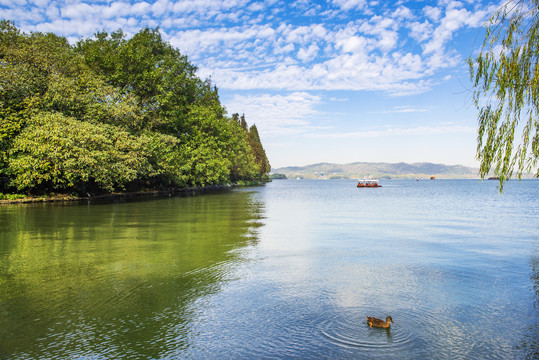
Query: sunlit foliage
x=110, y=114
x=55, y=153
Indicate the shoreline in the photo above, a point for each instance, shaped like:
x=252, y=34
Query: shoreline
x=59, y=198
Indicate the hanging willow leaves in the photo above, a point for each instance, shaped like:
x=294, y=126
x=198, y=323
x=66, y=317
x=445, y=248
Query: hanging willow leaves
x=505, y=75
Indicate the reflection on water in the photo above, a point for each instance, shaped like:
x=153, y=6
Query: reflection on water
x=288, y=270
x=115, y=280
x=530, y=341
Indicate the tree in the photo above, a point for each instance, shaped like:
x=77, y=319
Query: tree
x=150, y=69
x=203, y=147
x=243, y=163
x=243, y=123
x=505, y=76
x=55, y=153
x=112, y=114
x=26, y=63
x=259, y=152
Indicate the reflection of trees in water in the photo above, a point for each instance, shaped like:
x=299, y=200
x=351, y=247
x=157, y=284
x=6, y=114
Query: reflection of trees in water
x=117, y=280
x=530, y=343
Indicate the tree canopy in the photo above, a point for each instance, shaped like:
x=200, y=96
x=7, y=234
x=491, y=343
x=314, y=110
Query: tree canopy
x=505, y=76
x=111, y=113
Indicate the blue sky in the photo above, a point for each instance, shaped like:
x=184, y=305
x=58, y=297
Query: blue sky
x=324, y=81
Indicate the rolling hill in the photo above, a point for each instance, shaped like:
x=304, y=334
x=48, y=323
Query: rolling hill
x=378, y=170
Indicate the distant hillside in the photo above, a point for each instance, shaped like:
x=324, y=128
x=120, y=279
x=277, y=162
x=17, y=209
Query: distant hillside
x=378, y=170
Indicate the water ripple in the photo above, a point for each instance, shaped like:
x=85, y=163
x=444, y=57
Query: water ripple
x=353, y=332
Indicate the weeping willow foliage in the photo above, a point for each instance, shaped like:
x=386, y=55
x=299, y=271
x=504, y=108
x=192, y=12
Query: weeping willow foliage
x=505, y=76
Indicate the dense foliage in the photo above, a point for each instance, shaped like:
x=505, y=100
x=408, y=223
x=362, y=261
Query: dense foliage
x=506, y=79
x=113, y=114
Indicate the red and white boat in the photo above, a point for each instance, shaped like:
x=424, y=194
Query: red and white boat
x=368, y=184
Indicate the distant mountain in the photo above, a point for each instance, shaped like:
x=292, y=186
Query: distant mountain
x=377, y=170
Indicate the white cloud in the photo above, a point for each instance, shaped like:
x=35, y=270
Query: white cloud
x=308, y=54
x=421, y=31
x=243, y=47
x=351, y=4
x=403, y=109
x=353, y=44
x=12, y=2
x=453, y=20
x=385, y=30
x=402, y=12
x=141, y=8
x=256, y=6
x=396, y=131
x=196, y=42
x=79, y=11
x=32, y=15
x=74, y=29
x=276, y=114
x=52, y=12
x=40, y=3
x=432, y=12
x=208, y=8
x=160, y=7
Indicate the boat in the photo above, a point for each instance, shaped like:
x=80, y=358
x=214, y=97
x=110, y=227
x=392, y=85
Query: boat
x=368, y=184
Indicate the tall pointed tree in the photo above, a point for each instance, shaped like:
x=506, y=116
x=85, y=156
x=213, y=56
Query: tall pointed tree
x=243, y=123
x=258, y=150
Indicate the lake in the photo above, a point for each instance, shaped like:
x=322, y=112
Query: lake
x=286, y=270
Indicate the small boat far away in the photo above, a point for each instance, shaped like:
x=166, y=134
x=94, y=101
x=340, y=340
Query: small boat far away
x=368, y=184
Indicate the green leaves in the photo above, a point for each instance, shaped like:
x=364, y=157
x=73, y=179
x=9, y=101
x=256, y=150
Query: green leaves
x=505, y=76
x=259, y=152
x=61, y=154
x=151, y=71
x=113, y=114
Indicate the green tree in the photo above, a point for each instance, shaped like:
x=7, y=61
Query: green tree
x=112, y=114
x=204, y=147
x=162, y=79
x=55, y=153
x=243, y=123
x=243, y=164
x=505, y=75
x=88, y=98
x=26, y=63
x=259, y=152
x=236, y=117
x=163, y=153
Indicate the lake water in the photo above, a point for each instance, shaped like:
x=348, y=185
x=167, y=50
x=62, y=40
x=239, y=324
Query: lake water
x=286, y=270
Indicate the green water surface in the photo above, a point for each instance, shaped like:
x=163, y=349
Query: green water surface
x=114, y=280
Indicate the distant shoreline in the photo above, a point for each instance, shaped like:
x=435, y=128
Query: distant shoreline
x=381, y=171
x=365, y=170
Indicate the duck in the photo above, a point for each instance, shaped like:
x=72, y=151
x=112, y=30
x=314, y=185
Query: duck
x=372, y=321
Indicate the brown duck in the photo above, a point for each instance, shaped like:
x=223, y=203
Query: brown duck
x=372, y=321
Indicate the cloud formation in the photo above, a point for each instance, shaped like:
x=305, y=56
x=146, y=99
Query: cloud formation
x=278, y=114
x=272, y=44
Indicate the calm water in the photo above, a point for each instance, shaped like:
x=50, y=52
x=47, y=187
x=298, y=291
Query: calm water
x=288, y=270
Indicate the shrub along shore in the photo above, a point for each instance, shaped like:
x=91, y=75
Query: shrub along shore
x=112, y=115
x=63, y=198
